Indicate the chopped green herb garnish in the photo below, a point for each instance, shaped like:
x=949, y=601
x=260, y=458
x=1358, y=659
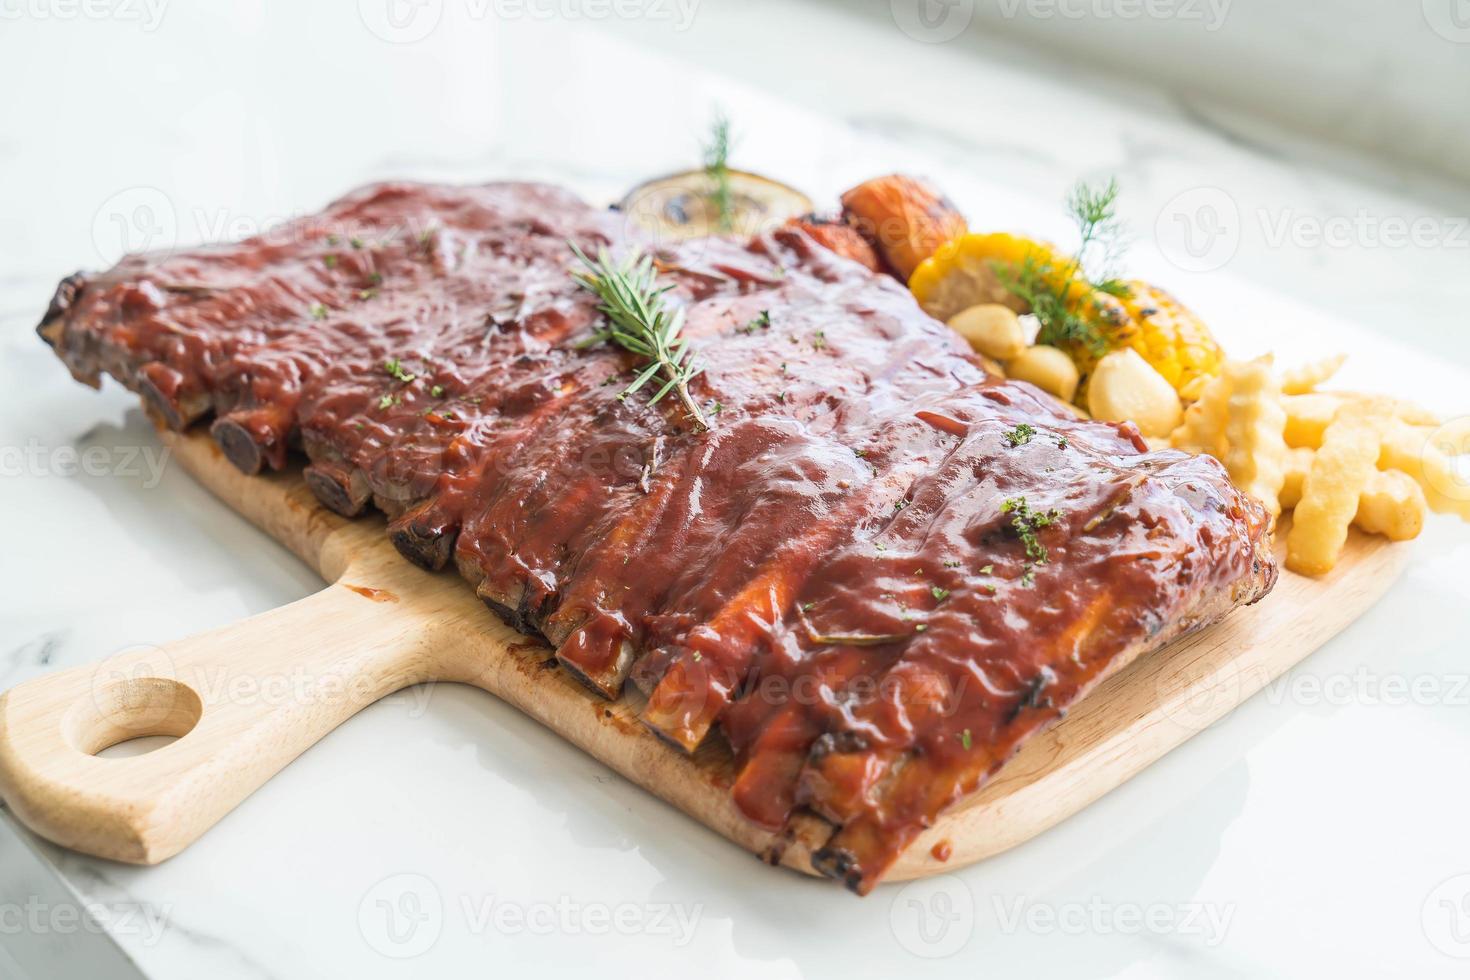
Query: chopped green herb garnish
x=318, y=311
x=367, y=294
x=760, y=322
x=1026, y=523
x=966, y=740
x=1020, y=435
x=355, y=242
x=397, y=371
x=987, y=569
x=331, y=261
x=437, y=391
x=1061, y=442
x=387, y=401
x=939, y=594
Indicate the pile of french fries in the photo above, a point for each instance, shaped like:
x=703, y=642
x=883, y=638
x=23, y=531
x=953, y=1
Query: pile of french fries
x=1335, y=459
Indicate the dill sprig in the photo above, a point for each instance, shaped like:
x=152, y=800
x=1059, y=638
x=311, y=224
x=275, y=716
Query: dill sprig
x=639, y=321
x=717, y=170
x=1048, y=288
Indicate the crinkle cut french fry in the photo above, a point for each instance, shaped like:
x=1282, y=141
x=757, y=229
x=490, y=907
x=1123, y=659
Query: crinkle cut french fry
x=1340, y=471
x=1294, y=474
x=1306, y=377
x=1399, y=408
x=1391, y=505
x=1308, y=416
x=1445, y=482
x=1203, y=429
x=1256, y=450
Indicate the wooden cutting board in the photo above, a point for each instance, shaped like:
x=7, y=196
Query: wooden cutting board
x=249, y=698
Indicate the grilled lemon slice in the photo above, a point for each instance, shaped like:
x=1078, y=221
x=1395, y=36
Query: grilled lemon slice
x=687, y=205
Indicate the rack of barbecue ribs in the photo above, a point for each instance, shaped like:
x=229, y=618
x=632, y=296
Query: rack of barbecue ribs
x=876, y=572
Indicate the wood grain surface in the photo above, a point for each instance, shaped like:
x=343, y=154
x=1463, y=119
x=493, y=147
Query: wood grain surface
x=249, y=698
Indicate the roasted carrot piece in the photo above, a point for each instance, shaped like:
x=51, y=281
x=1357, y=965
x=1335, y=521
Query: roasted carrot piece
x=837, y=236
x=904, y=218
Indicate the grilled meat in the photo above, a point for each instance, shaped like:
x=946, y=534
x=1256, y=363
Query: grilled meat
x=877, y=573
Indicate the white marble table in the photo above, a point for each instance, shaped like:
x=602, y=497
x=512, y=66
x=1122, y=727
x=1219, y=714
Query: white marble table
x=1319, y=830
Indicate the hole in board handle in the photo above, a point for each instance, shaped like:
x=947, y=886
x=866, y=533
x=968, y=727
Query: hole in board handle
x=124, y=709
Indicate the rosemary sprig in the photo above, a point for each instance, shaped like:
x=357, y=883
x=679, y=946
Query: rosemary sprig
x=639, y=321
x=717, y=170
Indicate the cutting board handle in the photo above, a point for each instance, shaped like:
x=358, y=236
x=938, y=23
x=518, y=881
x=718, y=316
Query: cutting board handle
x=243, y=701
